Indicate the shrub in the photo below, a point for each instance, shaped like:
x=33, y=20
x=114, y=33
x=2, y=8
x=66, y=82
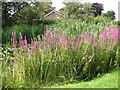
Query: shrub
x=99, y=19
x=31, y=31
x=90, y=19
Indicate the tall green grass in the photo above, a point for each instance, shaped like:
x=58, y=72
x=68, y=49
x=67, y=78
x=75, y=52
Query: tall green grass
x=31, y=31
x=45, y=67
x=74, y=27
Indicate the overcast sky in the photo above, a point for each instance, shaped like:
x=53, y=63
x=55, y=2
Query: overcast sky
x=108, y=4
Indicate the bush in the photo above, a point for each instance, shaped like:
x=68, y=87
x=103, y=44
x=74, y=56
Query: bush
x=90, y=19
x=99, y=19
x=48, y=22
x=30, y=31
x=117, y=23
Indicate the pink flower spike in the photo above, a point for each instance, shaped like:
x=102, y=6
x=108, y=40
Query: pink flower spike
x=15, y=44
x=32, y=45
x=25, y=42
x=63, y=39
x=14, y=34
x=78, y=40
x=53, y=34
x=39, y=40
x=47, y=32
x=20, y=36
x=86, y=37
x=94, y=39
x=48, y=42
x=20, y=39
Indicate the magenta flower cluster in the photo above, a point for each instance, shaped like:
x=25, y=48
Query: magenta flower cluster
x=107, y=37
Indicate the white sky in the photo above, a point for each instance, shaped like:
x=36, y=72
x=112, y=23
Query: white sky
x=108, y=4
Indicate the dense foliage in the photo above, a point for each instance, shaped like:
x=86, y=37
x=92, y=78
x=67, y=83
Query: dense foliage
x=68, y=26
x=109, y=14
x=97, y=8
x=60, y=58
x=23, y=12
x=39, y=52
x=31, y=31
x=78, y=10
x=9, y=12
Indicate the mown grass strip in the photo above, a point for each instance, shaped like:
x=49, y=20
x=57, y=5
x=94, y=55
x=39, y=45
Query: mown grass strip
x=109, y=80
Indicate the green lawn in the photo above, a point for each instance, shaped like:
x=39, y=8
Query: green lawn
x=109, y=80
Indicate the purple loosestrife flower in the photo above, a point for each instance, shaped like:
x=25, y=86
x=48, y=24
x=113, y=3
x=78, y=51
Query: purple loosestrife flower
x=25, y=44
x=14, y=42
x=20, y=36
x=70, y=42
x=86, y=37
x=47, y=36
x=54, y=40
x=53, y=34
x=47, y=32
x=94, y=41
x=40, y=42
x=48, y=42
x=78, y=40
x=114, y=34
x=20, y=39
x=32, y=45
x=13, y=34
x=103, y=37
x=63, y=39
x=118, y=35
x=72, y=38
x=53, y=37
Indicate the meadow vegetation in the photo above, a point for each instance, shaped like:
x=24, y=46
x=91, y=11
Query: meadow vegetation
x=79, y=52
x=79, y=47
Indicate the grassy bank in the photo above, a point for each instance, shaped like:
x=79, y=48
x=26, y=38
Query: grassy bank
x=109, y=80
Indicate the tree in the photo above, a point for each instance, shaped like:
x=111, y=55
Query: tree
x=70, y=9
x=35, y=12
x=97, y=9
x=9, y=12
x=110, y=14
x=76, y=10
x=17, y=12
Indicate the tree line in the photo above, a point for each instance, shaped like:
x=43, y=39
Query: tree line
x=23, y=12
x=31, y=12
x=78, y=10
